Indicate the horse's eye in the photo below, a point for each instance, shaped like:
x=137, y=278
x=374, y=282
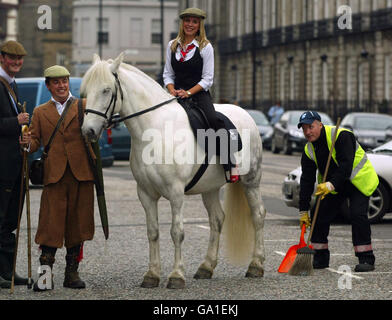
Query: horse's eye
x=106, y=90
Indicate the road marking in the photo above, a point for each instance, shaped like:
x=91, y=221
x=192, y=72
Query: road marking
x=344, y=273
x=203, y=227
x=280, y=253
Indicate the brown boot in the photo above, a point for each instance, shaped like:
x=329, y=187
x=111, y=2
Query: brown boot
x=71, y=275
x=46, y=259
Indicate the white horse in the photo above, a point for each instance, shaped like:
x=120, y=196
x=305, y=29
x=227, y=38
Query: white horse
x=115, y=87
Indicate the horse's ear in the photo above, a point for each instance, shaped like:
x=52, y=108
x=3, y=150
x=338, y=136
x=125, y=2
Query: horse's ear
x=96, y=58
x=116, y=63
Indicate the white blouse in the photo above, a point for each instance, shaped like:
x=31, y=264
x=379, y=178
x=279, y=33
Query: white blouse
x=207, y=75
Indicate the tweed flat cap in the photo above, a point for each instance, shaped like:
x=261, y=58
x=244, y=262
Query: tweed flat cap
x=56, y=72
x=193, y=12
x=13, y=47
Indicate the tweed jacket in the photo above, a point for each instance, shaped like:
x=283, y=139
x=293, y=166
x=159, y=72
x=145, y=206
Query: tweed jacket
x=10, y=154
x=67, y=146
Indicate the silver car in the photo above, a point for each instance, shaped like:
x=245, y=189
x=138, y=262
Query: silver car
x=380, y=201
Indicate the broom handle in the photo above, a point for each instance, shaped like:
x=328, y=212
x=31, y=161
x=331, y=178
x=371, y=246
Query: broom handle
x=324, y=179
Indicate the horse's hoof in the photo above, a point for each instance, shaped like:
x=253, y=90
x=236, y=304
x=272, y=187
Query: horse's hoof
x=203, y=274
x=150, y=282
x=254, y=272
x=176, y=283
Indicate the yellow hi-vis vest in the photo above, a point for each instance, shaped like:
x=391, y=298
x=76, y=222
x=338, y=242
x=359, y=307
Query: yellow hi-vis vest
x=363, y=175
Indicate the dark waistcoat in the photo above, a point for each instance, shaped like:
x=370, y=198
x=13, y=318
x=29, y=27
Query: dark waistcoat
x=187, y=73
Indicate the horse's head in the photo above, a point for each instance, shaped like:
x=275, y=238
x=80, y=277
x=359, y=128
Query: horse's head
x=101, y=86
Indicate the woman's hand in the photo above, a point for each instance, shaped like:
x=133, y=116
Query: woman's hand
x=182, y=94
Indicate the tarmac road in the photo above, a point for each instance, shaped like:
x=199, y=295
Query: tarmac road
x=114, y=270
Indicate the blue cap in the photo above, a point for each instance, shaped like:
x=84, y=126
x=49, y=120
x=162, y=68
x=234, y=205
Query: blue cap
x=308, y=117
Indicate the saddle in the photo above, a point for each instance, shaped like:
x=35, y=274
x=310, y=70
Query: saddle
x=222, y=145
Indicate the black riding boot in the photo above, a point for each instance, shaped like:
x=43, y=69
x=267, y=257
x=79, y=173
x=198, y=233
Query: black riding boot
x=6, y=268
x=71, y=275
x=46, y=259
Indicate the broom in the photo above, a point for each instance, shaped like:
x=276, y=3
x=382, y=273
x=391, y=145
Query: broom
x=303, y=265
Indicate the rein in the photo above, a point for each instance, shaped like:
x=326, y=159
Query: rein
x=111, y=120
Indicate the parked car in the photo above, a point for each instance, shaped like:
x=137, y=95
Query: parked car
x=286, y=135
x=264, y=126
x=121, y=142
x=380, y=201
x=35, y=93
x=370, y=129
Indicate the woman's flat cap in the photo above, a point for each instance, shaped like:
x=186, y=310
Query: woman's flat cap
x=193, y=12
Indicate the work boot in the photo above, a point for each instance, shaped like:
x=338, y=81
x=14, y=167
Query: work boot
x=46, y=259
x=6, y=269
x=71, y=275
x=4, y=284
x=366, y=261
x=321, y=259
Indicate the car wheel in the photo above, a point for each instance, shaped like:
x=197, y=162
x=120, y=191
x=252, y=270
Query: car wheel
x=378, y=204
x=286, y=146
x=274, y=148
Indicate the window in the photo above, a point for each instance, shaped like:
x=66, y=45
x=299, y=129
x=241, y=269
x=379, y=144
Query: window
x=314, y=81
x=86, y=32
x=136, y=32
x=156, y=31
x=387, y=77
x=103, y=31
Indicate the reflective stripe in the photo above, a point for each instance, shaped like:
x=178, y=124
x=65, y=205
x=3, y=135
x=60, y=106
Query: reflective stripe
x=310, y=151
x=319, y=246
x=358, y=167
x=364, y=248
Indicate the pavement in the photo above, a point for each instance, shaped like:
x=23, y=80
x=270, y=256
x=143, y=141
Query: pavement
x=114, y=269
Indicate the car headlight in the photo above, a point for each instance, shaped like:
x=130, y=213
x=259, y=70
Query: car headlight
x=296, y=133
x=268, y=134
x=366, y=140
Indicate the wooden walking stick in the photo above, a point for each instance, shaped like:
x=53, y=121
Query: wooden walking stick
x=29, y=279
x=21, y=198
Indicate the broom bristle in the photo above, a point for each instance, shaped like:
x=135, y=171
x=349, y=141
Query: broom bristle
x=302, y=265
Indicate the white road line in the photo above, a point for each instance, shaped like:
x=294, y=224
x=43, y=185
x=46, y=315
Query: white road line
x=280, y=253
x=203, y=227
x=344, y=273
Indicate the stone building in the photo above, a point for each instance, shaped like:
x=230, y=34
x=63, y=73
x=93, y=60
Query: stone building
x=8, y=20
x=45, y=30
x=333, y=55
x=133, y=27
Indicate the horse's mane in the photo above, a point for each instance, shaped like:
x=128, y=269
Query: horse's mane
x=100, y=73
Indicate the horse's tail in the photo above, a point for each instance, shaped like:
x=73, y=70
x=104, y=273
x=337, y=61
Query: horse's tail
x=238, y=229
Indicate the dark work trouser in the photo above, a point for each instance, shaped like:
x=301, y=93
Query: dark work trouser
x=358, y=208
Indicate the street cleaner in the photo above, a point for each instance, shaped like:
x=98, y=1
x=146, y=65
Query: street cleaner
x=350, y=176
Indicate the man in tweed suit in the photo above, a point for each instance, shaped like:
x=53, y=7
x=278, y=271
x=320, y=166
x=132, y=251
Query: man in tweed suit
x=67, y=202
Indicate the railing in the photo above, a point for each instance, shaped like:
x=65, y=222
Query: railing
x=361, y=22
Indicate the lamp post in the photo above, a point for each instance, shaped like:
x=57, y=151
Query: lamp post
x=254, y=62
x=100, y=28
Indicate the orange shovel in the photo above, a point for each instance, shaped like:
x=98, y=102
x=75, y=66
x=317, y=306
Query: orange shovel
x=292, y=253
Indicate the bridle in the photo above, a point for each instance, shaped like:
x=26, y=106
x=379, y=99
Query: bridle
x=111, y=120
x=113, y=100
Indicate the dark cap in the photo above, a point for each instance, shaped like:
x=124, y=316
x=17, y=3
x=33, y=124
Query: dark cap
x=13, y=47
x=308, y=117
